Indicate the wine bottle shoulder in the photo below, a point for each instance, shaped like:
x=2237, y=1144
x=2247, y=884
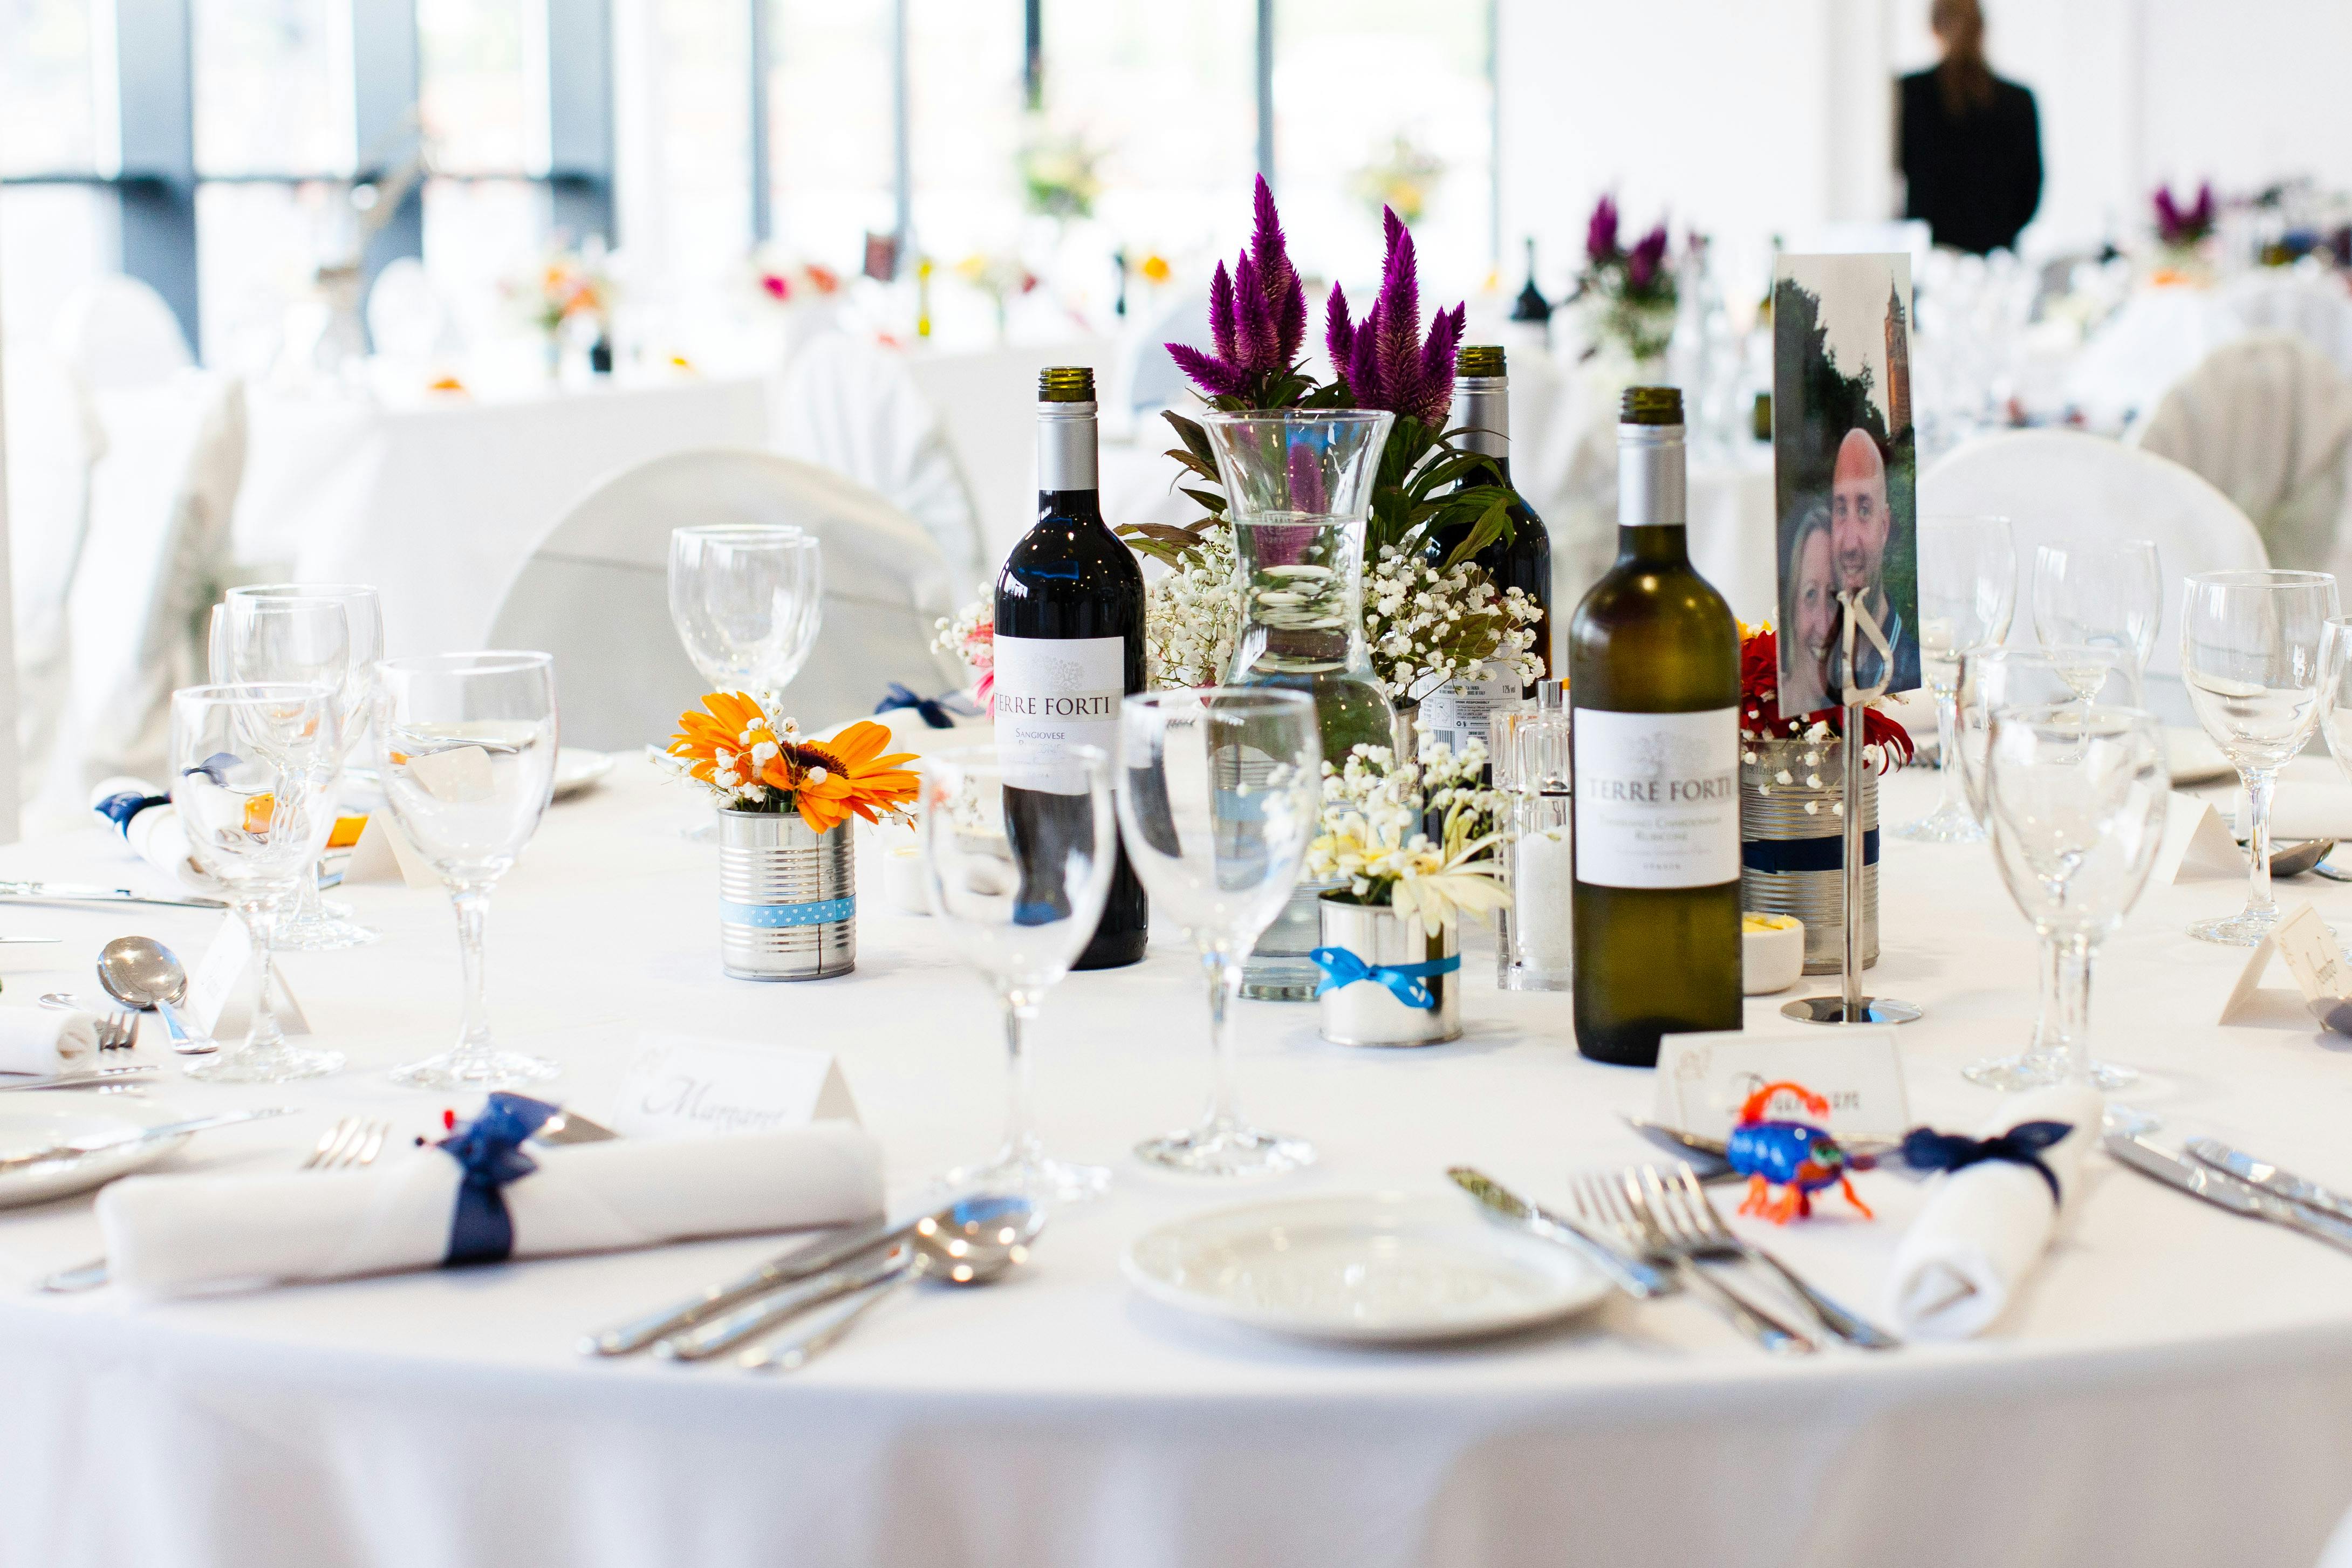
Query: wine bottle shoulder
x=1652, y=638
x=1071, y=563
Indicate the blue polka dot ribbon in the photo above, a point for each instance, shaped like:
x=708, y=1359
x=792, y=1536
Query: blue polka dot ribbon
x=775, y=916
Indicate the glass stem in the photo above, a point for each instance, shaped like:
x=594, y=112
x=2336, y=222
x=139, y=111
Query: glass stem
x=1948, y=727
x=473, y=907
x=305, y=896
x=261, y=917
x=2074, y=1005
x=2050, y=1017
x=2260, y=785
x=1020, y=1146
x=1224, y=987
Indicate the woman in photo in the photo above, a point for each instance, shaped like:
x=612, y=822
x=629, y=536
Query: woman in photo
x=1809, y=613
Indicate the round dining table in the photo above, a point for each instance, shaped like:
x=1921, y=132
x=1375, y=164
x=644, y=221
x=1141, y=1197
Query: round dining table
x=2173, y=1384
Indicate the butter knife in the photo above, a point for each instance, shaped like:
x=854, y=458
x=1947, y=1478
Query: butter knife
x=77, y=1149
x=77, y=893
x=2226, y=1191
x=2270, y=1177
x=800, y=1263
x=92, y=1078
x=1630, y=1275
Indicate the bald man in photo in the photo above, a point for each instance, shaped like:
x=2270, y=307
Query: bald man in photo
x=1860, y=522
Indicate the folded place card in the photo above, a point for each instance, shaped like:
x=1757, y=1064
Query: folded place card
x=2303, y=940
x=2198, y=846
x=678, y=1086
x=385, y=854
x=220, y=988
x=1703, y=1079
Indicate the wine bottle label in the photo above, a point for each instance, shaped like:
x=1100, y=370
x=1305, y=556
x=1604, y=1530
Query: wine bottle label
x=1462, y=710
x=1657, y=798
x=1057, y=691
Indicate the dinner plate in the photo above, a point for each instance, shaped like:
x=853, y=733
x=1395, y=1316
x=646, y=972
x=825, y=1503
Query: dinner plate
x=1375, y=1269
x=577, y=770
x=2194, y=758
x=29, y=1122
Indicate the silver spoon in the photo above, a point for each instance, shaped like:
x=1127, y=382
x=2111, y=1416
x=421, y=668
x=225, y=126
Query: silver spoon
x=140, y=972
x=989, y=1239
x=2297, y=858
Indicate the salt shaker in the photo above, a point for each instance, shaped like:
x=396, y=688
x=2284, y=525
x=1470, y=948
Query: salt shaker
x=1532, y=769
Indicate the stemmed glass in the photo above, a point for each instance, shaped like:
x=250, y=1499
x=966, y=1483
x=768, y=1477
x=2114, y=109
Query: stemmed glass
x=747, y=599
x=250, y=764
x=293, y=632
x=2249, y=655
x=2078, y=795
x=469, y=765
x=1968, y=592
x=1996, y=678
x=2109, y=594
x=1017, y=852
x=1217, y=800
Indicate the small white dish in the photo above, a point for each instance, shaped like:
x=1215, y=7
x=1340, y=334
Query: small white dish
x=1373, y=1268
x=1772, y=957
x=577, y=770
x=31, y=1121
x=2194, y=758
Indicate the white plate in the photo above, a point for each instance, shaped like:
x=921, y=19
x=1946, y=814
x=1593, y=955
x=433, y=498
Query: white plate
x=29, y=1122
x=2195, y=759
x=577, y=768
x=1374, y=1269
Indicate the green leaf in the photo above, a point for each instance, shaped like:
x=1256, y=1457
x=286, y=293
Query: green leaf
x=1214, y=503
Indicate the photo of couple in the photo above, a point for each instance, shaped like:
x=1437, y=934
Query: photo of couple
x=1846, y=475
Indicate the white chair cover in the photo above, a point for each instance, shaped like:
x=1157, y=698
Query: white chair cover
x=851, y=406
x=53, y=442
x=2269, y=422
x=595, y=593
x=116, y=332
x=2312, y=306
x=2059, y=485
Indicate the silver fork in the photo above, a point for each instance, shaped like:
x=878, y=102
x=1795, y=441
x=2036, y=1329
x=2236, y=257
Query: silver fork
x=352, y=1142
x=1605, y=1202
x=117, y=1032
x=1695, y=1230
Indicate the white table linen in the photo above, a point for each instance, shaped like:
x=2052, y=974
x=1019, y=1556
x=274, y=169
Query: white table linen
x=445, y=1418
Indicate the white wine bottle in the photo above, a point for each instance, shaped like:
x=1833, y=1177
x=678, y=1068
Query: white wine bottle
x=1654, y=678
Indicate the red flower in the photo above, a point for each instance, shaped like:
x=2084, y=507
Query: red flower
x=1760, y=705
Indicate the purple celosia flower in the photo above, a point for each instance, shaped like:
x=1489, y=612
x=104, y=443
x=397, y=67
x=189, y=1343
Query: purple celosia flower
x=2176, y=226
x=1257, y=314
x=1601, y=233
x=1382, y=361
x=1641, y=262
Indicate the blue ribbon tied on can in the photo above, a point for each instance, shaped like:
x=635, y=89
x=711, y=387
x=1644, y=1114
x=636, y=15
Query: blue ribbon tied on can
x=488, y=1151
x=780, y=916
x=1342, y=968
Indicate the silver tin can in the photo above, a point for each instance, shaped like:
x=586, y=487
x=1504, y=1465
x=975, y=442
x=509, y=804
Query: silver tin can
x=1367, y=1012
x=787, y=897
x=1792, y=846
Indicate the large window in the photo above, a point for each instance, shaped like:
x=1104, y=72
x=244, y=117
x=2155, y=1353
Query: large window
x=831, y=156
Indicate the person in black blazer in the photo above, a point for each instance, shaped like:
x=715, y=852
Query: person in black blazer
x=1969, y=144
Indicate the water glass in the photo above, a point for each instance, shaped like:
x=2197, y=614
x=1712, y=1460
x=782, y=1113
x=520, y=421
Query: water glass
x=289, y=632
x=747, y=599
x=2250, y=655
x=1218, y=795
x=250, y=766
x=2078, y=796
x=2109, y=594
x=468, y=765
x=1968, y=592
x=1017, y=859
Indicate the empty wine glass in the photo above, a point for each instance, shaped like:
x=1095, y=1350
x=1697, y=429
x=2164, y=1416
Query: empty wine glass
x=250, y=764
x=1217, y=799
x=1018, y=852
x=2105, y=594
x=1968, y=590
x=2078, y=794
x=1996, y=678
x=277, y=631
x=747, y=599
x=468, y=743
x=2249, y=656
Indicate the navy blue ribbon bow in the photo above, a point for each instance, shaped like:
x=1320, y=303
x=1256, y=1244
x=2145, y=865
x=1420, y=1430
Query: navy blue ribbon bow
x=900, y=696
x=1925, y=1149
x=489, y=1150
x=1341, y=967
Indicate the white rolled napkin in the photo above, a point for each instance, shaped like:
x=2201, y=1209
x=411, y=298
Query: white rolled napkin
x=40, y=1040
x=169, y=1234
x=2301, y=812
x=1985, y=1227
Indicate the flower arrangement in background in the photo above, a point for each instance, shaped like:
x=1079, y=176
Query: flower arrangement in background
x=1633, y=291
x=752, y=759
x=1375, y=837
x=1003, y=278
x=1884, y=742
x=1060, y=172
x=568, y=283
x=2184, y=228
x=1400, y=178
x=785, y=280
x=970, y=634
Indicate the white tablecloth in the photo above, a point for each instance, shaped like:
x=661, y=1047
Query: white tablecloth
x=2174, y=1387
x=438, y=501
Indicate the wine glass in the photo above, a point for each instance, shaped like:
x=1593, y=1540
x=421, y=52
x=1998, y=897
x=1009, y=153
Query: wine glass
x=747, y=599
x=1968, y=592
x=1996, y=678
x=2249, y=656
x=1017, y=853
x=1217, y=799
x=250, y=764
x=277, y=631
x=468, y=743
x=2107, y=594
x=2078, y=794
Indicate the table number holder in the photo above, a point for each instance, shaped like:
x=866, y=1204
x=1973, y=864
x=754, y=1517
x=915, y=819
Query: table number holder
x=1850, y=1005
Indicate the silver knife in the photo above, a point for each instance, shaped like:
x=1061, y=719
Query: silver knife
x=80, y=893
x=82, y=1148
x=800, y=1263
x=92, y=1078
x=1630, y=1275
x=1717, y=1153
x=2270, y=1177
x=2226, y=1191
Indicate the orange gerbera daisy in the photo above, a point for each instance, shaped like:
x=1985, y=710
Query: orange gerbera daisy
x=733, y=746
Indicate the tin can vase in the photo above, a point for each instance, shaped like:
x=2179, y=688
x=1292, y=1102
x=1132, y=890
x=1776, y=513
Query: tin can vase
x=787, y=897
x=1792, y=843
x=1369, y=954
